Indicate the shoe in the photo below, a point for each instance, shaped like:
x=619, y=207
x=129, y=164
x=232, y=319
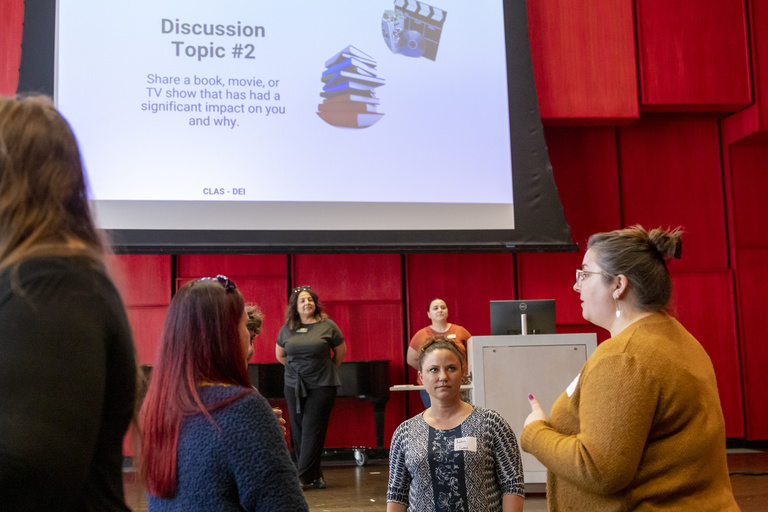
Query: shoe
x=305, y=485
x=319, y=483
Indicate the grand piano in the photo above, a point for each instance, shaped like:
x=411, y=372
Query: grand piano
x=368, y=380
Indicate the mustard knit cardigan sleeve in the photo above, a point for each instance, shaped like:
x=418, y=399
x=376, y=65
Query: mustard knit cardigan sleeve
x=610, y=416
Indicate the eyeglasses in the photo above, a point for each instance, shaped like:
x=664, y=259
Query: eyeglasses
x=583, y=274
x=226, y=282
x=302, y=289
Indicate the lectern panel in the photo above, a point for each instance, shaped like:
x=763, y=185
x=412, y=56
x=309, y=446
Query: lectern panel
x=506, y=368
x=513, y=372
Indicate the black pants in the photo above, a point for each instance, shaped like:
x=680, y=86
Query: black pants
x=308, y=428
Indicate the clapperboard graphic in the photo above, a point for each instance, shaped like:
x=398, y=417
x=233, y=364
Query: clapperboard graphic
x=350, y=79
x=413, y=28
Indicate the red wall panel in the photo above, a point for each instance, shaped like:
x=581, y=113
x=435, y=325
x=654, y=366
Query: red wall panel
x=350, y=276
x=584, y=60
x=373, y=331
x=712, y=322
x=11, y=24
x=752, y=281
x=693, y=56
x=552, y=276
x=268, y=292
x=749, y=181
x=143, y=280
x=352, y=424
x=209, y=265
x=752, y=122
x=585, y=167
x=147, y=326
x=145, y=284
x=466, y=282
x=671, y=175
x=758, y=11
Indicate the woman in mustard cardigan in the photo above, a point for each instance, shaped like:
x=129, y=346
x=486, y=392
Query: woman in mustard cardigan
x=641, y=427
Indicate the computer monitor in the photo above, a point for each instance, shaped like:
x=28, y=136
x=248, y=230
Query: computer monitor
x=507, y=316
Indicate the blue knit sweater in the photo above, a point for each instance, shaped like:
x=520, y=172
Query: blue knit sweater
x=242, y=463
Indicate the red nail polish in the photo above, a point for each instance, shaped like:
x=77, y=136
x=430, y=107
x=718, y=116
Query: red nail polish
x=530, y=396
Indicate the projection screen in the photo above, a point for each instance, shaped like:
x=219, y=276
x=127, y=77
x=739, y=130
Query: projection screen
x=299, y=126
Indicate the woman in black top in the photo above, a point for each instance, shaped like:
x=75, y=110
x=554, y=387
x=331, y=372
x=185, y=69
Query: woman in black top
x=67, y=366
x=311, y=347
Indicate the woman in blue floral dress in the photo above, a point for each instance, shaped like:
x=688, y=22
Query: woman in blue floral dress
x=453, y=456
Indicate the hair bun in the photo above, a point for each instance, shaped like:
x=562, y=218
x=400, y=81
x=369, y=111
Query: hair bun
x=668, y=243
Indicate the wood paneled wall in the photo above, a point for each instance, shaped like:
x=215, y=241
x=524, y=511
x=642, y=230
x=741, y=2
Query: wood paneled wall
x=655, y=112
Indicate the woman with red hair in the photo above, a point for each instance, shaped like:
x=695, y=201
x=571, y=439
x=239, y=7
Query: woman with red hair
x=211, y=441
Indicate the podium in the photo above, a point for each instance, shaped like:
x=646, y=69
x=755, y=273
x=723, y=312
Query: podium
x=506, y=368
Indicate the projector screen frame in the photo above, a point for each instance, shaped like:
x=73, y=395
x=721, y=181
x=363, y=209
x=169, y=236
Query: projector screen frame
x=540, y=224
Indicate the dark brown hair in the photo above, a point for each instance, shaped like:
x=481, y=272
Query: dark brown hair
x=429, y=306
x=642, y=257
x=292, y=317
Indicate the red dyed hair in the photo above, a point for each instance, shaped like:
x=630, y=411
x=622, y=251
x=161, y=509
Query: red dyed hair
x=200, y=343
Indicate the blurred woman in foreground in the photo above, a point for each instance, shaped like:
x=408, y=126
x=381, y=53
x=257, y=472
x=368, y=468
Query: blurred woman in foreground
x=67, y=366
x=640, y=428
x=211, y=441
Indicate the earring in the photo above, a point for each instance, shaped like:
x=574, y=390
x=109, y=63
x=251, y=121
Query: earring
x=618, y=311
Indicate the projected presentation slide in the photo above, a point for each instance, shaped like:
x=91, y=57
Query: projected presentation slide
x=288, y=100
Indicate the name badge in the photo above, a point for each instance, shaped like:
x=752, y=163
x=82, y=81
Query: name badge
x=301, y=329
x=465, y=444
x=572, y=386
x=451, y=336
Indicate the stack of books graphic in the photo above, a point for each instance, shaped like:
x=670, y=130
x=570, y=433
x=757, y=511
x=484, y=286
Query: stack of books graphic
x=350, y=80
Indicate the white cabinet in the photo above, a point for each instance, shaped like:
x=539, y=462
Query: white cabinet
x=506, y=368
